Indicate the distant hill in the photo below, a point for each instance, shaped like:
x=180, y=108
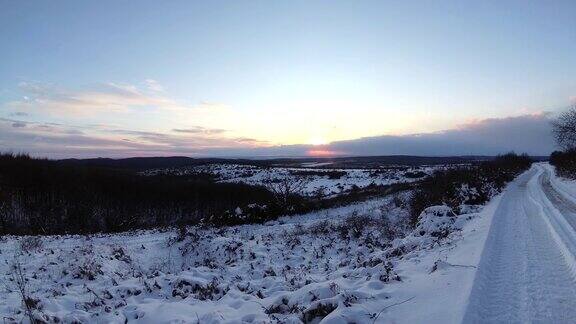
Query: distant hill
x=139, y=162
x=143, y=163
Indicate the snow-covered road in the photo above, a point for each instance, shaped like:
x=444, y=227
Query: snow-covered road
x=527, y=270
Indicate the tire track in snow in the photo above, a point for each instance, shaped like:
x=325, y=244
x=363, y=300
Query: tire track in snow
x=524, y=275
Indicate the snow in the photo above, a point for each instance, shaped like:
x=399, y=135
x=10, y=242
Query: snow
x=322, y=182
x=509, y=261
x=288, y=271
x=526, y=273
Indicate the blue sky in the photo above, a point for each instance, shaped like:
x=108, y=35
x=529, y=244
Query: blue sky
x=124, y=78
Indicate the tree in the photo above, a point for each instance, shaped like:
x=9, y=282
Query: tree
x=286, y=188
x=564, y=129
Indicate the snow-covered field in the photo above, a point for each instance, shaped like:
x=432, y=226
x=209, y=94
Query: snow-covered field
x=511, y=261
x=335, y=266
x=317, y=181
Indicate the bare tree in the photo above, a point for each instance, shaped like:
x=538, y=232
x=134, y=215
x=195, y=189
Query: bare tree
x=21, y=283
x=285, y=188
x=564, y=129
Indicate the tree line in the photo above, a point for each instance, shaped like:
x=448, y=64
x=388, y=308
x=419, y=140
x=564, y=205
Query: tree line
x=39, y=196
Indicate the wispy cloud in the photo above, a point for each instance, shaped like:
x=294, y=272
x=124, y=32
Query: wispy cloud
x=154, y=85
x=102, y=98
x=18, y=124
x=248, y=140
x=18, y=114
x=59, y=140
x=118, y=107
x=199, y=130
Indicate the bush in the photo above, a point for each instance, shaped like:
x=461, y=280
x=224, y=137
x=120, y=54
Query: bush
x=251, y=214
x=473, y=185
x=565, y=163
x=355, y=225
x=88, y=269
x=30, y=244
x=436, y=221
x=321, y=228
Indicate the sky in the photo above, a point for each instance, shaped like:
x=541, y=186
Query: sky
x=283, y=78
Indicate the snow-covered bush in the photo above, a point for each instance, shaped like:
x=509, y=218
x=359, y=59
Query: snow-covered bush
x=324, y=227
x=436, y=221
x=184, y=287
x=30, y=243
x=354, y=225
x=472, y=185
x=435, y=224
x=250, y=214
x=88, y=269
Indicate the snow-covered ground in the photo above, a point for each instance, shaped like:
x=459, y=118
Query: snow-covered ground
x=318, y=181
x=528, y=265
x=510, y=261
x=251, y=273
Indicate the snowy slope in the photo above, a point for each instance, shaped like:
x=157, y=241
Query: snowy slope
x=340, y=265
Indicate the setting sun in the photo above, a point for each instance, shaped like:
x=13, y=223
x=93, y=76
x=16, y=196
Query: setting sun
x=317, y=141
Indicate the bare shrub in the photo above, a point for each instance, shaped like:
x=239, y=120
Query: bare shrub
x=282, y=307
x=182, y=233
x=89, y=269
x=31, y=244
x=318, y=310
x=386, y=228
x=323, y=227
x=211, y=291
x=120, y=254
x=398, y=202
x=354, y=225
x=286, y=189
x=192, y=242
x=387, y=273
x=20, y=281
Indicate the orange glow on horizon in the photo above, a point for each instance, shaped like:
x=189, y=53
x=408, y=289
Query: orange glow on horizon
x=322, y=153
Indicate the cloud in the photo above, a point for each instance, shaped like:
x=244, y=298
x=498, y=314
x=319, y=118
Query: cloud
x=526, y=133
x=199, y=130
x=58, y=140
x=18, y=124
x=62, y=142
x=492, y=136
x=154, y=85
x=248, y=140
x=120, y=106
x=103, y=98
